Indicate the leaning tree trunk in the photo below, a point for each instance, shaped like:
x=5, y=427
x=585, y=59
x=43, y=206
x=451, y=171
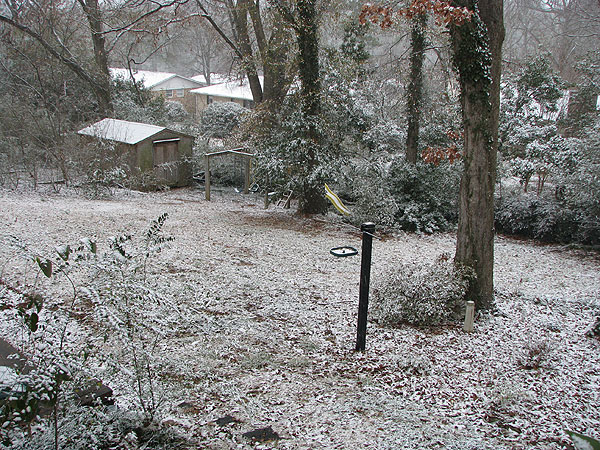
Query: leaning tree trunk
x=312, y=199
x=101, y=85
x=414, y=97
x=477, y=55
x=274, y=53
x=240, y=24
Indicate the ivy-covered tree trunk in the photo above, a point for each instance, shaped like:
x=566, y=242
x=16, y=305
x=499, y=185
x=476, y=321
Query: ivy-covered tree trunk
x=312, y=199
x=414, y=97
x=477, y=46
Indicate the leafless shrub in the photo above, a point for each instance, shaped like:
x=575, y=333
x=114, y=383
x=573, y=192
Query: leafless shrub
x=535, y=355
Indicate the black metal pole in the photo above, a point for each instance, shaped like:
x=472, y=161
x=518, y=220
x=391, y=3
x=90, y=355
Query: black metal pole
x=365, y=276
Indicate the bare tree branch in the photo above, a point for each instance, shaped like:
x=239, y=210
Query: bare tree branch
x=205, y=14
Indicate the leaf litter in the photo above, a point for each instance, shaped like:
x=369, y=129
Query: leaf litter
x=259, y=321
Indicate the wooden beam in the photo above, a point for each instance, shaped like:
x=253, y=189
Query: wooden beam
x=207, y=177
x=247, y=177
x=235, y=152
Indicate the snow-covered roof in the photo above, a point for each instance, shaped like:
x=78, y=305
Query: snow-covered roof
x=121, y=130
x=151, y=80
x=146, y=77
x=230, y=89
x=215, y=78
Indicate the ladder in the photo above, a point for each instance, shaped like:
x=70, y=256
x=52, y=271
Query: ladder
x=285, y=199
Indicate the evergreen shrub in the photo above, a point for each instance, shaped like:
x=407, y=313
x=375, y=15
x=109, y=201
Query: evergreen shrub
x=421, y=295
x=546, y=218
x=426, y=195
x=220, y=119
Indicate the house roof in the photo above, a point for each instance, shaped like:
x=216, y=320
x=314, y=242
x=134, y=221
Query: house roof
x=149, y=79
x=230, y=89
x=121, y=131
x=215, y=78
x=146, y=77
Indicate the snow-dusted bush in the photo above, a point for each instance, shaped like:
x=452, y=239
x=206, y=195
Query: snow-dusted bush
x=289, y=160
x=362, y=183
x=426, y=195
x=99, y=428
x=414, y=365
x=420, y=295
x=112, y=290
x=221, y=118
x=138, y=104
x=393, y=193
x=535, y=355
x=386, y=137
x=375, y=204
x=570, y=210
x=547, y=218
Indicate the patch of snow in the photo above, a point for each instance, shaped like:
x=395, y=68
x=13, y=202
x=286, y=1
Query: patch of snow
x=259, y=324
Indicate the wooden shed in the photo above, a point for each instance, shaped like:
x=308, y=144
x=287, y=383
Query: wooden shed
x=149, y=147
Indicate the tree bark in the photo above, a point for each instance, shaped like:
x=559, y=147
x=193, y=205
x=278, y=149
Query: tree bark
x=477, y=49
x=239, y=13
x=312, y=200
x=102, y=87
x=414, y=97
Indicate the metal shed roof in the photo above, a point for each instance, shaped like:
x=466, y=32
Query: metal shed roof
x=121, y=131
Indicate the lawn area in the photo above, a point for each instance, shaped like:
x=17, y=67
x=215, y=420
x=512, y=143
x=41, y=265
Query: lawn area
x=257, y=323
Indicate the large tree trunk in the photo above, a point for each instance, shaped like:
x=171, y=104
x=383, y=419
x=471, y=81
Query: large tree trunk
x=312, y=199
x=414, y=97
x=101, y=87
x=239, y=15
x=274, y=54
x=477, y=49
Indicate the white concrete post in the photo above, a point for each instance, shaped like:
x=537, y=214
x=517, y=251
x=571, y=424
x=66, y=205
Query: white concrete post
x=469, y=316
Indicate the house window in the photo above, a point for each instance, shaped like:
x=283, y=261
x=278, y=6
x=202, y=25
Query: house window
x=169, y=93
x=180, y=93
x=209, y=100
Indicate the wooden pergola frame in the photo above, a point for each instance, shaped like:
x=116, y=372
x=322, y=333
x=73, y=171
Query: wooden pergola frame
x=236, y=151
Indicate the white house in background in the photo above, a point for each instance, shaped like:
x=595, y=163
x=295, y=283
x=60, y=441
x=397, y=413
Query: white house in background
x=171, y=86
x=237, y=91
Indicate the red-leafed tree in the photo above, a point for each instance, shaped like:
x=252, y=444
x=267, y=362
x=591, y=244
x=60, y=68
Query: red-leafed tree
x=476, y=32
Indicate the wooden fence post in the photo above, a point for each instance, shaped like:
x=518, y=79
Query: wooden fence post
x=207, y=177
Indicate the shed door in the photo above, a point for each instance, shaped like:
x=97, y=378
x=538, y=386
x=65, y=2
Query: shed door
x=166, y=160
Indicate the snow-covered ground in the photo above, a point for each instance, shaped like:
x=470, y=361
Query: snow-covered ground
x=269, y=323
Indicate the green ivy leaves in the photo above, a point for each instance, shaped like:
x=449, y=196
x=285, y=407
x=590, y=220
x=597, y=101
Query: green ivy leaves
x=583, y=442
x=45, y=266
